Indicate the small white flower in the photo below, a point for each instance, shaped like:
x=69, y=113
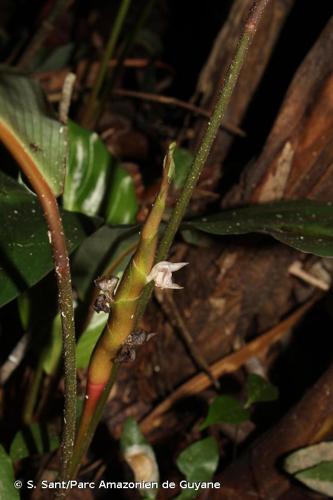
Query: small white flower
x=161, y=273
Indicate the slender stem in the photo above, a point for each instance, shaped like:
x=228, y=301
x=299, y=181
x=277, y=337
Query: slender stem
x=90, y=110
x=42, y=33
x=65, y=299
x=31, y=398
x=130, y=39
x=129, y=289
x=207, y=141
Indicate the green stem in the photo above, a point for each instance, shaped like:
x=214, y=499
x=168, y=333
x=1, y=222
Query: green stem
x=92, y=105
x=130, y=39
x=207, y=141
x=102, y=370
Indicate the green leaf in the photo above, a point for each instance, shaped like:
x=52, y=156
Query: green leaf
x=140, y=457
x=88, y=170
x=88, y=339
x=95, y=182
x=121, y=207
x=306, y=225
x=98, y=252
x=258, y=389
x=183, y=161
x=32, y=440
x=24, y=114
x=198, y=463
x=225, y=409
x=25, y=252
x=7, y=489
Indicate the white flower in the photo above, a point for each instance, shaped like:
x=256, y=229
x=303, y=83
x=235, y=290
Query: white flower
x=161, y=273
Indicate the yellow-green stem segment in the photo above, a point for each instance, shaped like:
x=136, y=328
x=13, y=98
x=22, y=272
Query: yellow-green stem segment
x=121, y=320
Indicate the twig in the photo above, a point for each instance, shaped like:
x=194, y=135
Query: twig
x=173, y=314
x=42, y=33
x=228, y=364
x=173, y=101
x=296, y=270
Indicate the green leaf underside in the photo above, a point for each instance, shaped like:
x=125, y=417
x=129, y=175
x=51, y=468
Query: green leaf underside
x=7, y=489
x=34, y=439
x=258, y=390
x=319, y=478
x=25, y=253
x=306, y=225
x=24, y=112
x=198, y=463
x=225, y=409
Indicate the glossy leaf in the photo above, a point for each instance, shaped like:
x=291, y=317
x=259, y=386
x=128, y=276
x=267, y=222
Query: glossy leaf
x=95, y=182
x=306, y=225
x=258, y=389
x=25, y=253
x=225, y=409
x=121, y=205
x=25, y=115
x=32, y=440
x=198, y=463
x=88, y=169
x=7, y=489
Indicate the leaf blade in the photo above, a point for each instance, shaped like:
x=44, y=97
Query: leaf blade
x=306, y=225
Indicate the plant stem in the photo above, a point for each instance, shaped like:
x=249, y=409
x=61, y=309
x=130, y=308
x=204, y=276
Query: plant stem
x=41, y=34
x=32, y=395
x=129, y=42
x=212, y=128
x=102, y=370
x=56, y=234
x=92, y=105
x=207, y=141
